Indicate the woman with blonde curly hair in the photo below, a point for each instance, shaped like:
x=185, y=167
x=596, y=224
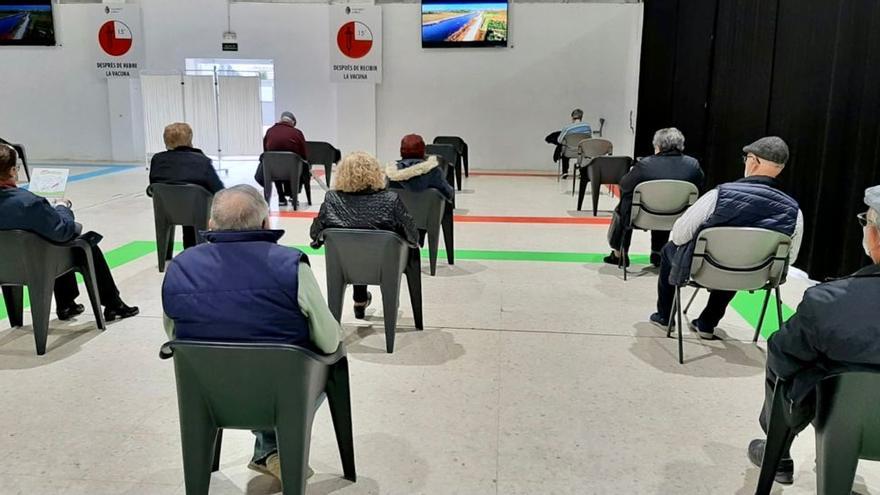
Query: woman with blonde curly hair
x=359, y=200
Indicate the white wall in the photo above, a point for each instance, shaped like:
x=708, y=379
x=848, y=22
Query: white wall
x=503, y=101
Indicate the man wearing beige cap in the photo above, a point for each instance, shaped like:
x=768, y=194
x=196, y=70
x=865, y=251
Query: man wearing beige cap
x=836, y=329
x=757, y=200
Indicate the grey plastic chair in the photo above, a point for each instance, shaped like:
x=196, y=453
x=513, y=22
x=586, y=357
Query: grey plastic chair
x=656, y=205
x=570, y=148
x=321, y=153
x=449, y=155
x=430, y=211
x=373, y=257
x=735, y=259
x=29, y=260
x=602, y=170
x=460, y=146
x=257, y=387
x=587, y=150
x=186, y=205
x=284, y=165
x=847, y=426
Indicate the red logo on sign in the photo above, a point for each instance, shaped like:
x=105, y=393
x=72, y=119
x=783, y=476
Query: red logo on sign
x=115, y=38
x=355, y=39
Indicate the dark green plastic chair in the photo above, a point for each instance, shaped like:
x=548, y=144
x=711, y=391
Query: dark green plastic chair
x=450, y=155
x=321, y=153
x=431, y=211
x=286, y=166
x=257, y=387
x=29, y=260
x=460, y=146
x=847, y=428
x=186, y=205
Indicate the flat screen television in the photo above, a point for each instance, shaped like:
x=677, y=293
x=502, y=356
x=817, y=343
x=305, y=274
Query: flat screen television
x=458, y=23
x=26, y=22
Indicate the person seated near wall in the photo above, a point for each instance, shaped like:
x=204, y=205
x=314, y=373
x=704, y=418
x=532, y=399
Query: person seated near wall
x=754, y=201
x=23, y=210
x=556, y=138
x=241, y=286
x=183, y=164
x=415, y=172
x=668, y=162
x=285, y=136
x=360, y=200
x=823, y=338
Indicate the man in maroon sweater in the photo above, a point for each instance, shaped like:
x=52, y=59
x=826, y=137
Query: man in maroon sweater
x=284, y=136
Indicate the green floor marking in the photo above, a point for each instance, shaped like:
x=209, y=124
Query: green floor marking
x=747, y=305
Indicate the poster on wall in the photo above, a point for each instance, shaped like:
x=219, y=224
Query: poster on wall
x=356, y=44
x=119, y=51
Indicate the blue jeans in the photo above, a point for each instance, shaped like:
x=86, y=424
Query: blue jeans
x=267, y=442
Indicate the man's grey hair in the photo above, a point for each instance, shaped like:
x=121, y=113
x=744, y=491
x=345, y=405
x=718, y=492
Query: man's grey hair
x=240, y=207
x=577, y=114
x=669, y=139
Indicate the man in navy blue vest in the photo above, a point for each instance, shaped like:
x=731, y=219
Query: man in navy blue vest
x=243, y=287
x=754, y=201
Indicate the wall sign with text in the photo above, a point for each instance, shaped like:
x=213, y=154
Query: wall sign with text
x=356, y=44
x=119, y=51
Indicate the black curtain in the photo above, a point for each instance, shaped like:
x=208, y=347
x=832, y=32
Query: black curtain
x=727, y=72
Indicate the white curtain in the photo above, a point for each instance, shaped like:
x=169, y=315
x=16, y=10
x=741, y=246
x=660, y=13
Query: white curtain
x=163, y=104
x=201, y=111
x=241, y=116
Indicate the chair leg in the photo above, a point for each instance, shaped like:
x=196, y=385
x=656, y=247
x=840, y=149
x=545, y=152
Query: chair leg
x=88, y=272
x=40, y=293
x=433, y=246
x=458, y=176
x=837, y=458
x=691, y=301
x=328, y=169
x=218, y=445
x=339, y=399
x=162, y=242
x=14, y=299
x=390, y=303
x=623, y=254
x=307, y=185
x=761, y=318
x=294, y=443
x=671, y=321
x=335, y=293
x=779, y=307
x=597, y=188
x=448, y=226
x=414, y=284
x=679, y=323
x=199, y=442
x=779, y=438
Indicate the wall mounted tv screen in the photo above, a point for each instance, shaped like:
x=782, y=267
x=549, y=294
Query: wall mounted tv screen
x=456, y=23
x=26, y=22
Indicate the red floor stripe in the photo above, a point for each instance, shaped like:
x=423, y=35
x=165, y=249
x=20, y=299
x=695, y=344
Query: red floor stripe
x=512, y=174
x=484, y=219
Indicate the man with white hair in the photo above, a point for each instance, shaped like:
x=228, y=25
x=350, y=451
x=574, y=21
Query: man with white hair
x=836, y=329
x=285, y=136
x=241, y=286
x=668, y=162
x=757, y=200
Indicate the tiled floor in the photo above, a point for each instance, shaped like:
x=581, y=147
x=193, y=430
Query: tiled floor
x=530, y=378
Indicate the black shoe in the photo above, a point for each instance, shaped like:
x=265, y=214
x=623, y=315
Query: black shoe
x=360, y=309
x=660, y=321
x=120, y=312
x=282, y=201
x=655, y=260
x=785, y=470
x=69, y=312
x=613, y=259
x=703, y=334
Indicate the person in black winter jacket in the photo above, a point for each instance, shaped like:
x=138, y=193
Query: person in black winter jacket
x=415, y=173
x=359, y=200
x=183, y=164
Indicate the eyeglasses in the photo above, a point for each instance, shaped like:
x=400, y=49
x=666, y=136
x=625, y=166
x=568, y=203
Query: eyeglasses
x=863, y=219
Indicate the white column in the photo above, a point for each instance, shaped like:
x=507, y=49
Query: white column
x=123, y=125
x=356, y=118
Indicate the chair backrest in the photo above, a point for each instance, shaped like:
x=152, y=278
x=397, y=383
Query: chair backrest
x=445, y=151
x=25, y=254
x=281, y=165
x=571, y=142
x=591, y=148
x=247, y=385
x=426, y=207
x=365, y=256
x=182, y=204
x=848, y=405
x=740, y=258
x=608, y=169
x=453, y=140
x=657, y=204
x=321, y=153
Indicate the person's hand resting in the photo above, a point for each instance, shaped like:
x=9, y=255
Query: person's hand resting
x=62, y=202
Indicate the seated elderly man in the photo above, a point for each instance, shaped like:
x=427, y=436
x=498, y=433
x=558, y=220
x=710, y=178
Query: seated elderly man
x=23, y=210
x=243, y=287
x=577, y=126
x=668, y=162
x=183, y=164
x=754, y=201
x=824, y=338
